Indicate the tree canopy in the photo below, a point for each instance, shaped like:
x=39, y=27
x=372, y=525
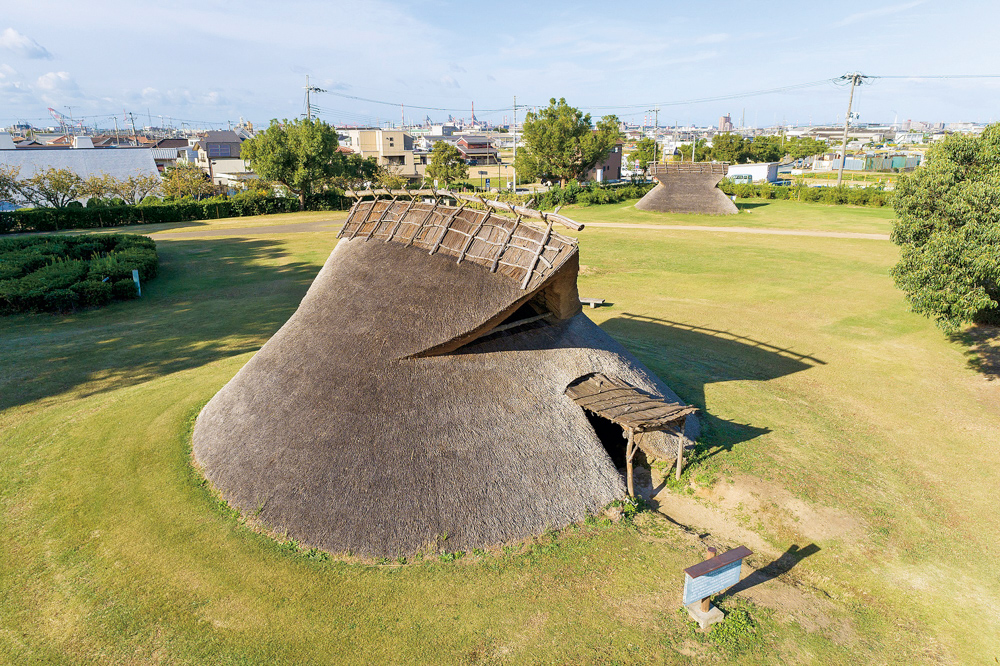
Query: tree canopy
x=645, y=153
x=703, y=155
x=803, y=146
x=948, y=230
x=302, y=156
x=186, y=180
x=562, y=144
x=733, y=148
x=447, y=164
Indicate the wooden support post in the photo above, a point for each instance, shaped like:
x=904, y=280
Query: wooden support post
x=629, y=453
x=706, y=604
x=472, y=236
x=681, y=441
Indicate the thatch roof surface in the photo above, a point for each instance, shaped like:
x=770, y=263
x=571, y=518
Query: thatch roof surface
x=336, y=432
x=688, y=188
x=518, y=250
x=625, y=404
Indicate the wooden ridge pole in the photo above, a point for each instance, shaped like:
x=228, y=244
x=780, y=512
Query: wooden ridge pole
x=525, y=212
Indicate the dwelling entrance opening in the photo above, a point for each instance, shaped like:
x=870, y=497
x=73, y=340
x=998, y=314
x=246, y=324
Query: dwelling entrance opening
x=607, y=400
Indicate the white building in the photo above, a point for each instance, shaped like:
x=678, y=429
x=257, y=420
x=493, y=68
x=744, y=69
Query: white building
x=762, y=172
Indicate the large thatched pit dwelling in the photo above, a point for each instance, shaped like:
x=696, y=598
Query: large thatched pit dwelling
x=438, y=380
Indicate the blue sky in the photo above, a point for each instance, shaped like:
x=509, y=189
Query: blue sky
x=197, y=61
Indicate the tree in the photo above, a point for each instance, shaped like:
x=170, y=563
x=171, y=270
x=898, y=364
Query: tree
x=804, y=146
x=52, y=187
x=561, y=143
x=948, y=230
x=299, y=154
x=728, y=147
x=704, y=152
x=644, y=153
x=186, y=180
x=764, y=149
x=9, y=192
x=131, y=190
x=447, y=164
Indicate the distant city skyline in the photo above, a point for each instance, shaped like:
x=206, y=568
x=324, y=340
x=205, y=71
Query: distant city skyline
x=198, y=63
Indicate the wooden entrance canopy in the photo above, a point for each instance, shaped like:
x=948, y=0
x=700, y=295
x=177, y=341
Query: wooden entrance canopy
x=635, y=411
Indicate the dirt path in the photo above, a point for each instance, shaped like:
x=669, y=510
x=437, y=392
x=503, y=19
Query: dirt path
x=741, y=230
x=329, y=225
x=297, y=227
x=770, y=578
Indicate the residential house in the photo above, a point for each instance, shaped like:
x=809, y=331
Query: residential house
x=610, y=168
x=218, y=155
x=477, y=150
x=393, y=149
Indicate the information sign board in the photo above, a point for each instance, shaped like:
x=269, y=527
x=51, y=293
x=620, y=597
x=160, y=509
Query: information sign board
x=711, y=583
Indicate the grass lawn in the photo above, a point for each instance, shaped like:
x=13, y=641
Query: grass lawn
x=765, y=214
x=839, y=429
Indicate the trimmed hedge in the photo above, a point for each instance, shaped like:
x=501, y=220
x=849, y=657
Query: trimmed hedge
x=855, y=196
x=62, y=273
x=93, y=217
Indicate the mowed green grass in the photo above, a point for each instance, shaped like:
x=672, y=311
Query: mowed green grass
x=113, y=551
x=759, y=213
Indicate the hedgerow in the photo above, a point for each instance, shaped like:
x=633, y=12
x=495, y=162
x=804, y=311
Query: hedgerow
x=62, y=273
x=243, y=204
x=855, y=196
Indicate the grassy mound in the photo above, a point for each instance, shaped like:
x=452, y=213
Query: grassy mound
x=62, y=273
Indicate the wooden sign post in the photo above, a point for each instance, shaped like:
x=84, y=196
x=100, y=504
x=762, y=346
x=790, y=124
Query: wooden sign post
x=715, y=574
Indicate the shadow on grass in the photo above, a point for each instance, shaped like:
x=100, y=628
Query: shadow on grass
x=743, y=205
x=689, y=357
x=982, y=349
x=212, y=299
x=778, y=567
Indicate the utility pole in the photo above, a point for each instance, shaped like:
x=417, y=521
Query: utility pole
x=514, y=130
x=855, y=79
x=309, y=89
x=118, y=141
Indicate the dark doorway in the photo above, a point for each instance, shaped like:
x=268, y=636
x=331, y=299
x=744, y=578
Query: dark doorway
x=612, y=436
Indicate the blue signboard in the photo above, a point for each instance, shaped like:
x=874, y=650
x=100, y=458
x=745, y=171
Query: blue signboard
x=711, y=583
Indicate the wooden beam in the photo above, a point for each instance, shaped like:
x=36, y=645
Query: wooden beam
x=503, y=245
x=534, y=260
x=444, y=231
x=472, y=236
x=520, y=210
x=380, y=219
x=422, y=223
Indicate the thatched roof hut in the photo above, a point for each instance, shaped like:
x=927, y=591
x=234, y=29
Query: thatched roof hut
x=688, y=187
x=418, y=396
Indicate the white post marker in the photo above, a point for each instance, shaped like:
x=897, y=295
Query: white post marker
x=135, y=276
x=711, y=577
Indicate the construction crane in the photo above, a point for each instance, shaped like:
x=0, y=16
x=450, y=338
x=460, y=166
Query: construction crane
x=65, y=122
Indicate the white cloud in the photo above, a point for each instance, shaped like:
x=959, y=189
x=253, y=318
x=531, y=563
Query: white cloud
x=875, y=13
x=23, y=45
x=448, y=81
x=57, y=82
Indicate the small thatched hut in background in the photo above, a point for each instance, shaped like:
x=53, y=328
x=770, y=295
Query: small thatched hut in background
x=688, y=187
x=418, y=396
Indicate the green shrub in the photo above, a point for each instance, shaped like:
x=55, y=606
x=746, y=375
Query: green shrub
x=60, y=273
x=61, y=300
x=93, y=293
x=124, y=290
